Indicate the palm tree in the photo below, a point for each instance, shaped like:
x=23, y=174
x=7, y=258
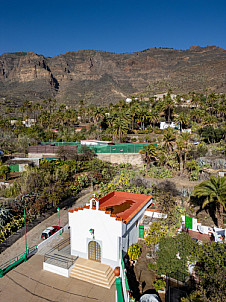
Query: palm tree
x=180, y=150
x=169, y=139
x=182, y=119
x=153, y=117
x=168, y=106
x=213, y=191
x=186, y=137
x=27, y=106
x=197, y=115
x=120, y=127
x=195, y=100
x=150, y=152
x=22, y=110
x=142, y=114
x=133, y=111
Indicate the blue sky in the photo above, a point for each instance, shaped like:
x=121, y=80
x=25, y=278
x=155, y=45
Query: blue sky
x=55, y=27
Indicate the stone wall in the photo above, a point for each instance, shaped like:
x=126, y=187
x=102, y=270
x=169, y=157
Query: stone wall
x=41, y=155
x=134, y=159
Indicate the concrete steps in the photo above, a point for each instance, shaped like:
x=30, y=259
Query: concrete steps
x=93, y=272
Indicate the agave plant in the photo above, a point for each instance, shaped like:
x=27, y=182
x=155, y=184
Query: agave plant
x=5, y=216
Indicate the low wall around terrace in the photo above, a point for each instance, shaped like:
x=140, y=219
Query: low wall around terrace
x=134, y=159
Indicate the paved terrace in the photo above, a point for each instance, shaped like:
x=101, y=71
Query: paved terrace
x=203, y=237
x=30, y=283
x=34, y=235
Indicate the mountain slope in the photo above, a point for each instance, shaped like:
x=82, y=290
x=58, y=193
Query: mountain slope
x=100, y=77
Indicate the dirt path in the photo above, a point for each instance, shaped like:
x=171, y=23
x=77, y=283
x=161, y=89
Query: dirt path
x=34, y=235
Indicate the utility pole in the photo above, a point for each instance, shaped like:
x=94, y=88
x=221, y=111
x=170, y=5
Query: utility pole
x=25, y=231
x=58, y=210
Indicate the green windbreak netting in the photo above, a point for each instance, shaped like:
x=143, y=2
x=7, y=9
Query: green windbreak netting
x=117, y=148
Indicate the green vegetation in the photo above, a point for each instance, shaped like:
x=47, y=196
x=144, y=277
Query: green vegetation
x=174, y=254
x=210, y=271
x=134, y=251
x=152, y=266
x=4, y=172
x=48, y=185
x=53, y=122
x=159, y=284
x=154, y=233
x=213, y=191
x=169, y=153
x=125, y=181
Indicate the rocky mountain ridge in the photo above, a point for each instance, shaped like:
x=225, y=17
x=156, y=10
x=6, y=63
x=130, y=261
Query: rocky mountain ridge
x=102, y=77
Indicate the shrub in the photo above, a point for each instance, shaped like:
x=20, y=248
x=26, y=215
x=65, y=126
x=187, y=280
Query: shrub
x=159, y=172
x=152, y=266
x=158, y=131
x=134, y=140
x=106, y=138
x=11, y=191
x=159, y=284
x=194, y=175
x=134, y=251
x=4, y=172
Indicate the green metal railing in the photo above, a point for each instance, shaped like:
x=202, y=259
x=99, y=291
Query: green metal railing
x=126, y=280
x=119, y=290
x=10, y=264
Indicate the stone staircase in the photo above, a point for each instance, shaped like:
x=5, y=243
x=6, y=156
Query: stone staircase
x=93, y=272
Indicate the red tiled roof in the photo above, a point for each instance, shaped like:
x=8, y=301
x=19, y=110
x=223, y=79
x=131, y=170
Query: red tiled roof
x=121, y=205
x=125, y=205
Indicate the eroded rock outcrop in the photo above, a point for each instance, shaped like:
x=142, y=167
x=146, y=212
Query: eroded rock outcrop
x=101, y=77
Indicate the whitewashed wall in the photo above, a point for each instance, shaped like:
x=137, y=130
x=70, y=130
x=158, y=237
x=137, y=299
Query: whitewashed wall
x=107, y=232
x=130, y=230
x=155, y=214
x=57, y=269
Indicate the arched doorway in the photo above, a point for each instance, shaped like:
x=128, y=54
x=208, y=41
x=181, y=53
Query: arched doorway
x=94, y=251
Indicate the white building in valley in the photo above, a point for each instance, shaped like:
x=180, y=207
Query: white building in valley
x=105, y=228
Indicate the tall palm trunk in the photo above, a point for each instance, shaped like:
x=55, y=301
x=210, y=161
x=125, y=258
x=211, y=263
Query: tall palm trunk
x=220, y=215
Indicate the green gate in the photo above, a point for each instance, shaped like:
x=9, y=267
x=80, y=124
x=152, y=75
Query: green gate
x=188, y=222
x=14, y=168
x=141, y=231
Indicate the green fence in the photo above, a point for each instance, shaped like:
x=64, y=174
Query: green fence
x=10, y=264
x=117, y=148
x=123, y=267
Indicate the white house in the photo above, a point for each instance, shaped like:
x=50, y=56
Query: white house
x=165, y=125
x=128, y=100
x=94, y=142
x=105, y=228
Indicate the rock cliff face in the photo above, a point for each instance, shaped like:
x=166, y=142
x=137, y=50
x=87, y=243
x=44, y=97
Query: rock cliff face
x=100, y=77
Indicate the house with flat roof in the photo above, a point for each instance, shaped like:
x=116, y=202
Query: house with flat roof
x=104, y=229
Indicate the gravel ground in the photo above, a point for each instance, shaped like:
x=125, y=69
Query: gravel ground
x=34, y=235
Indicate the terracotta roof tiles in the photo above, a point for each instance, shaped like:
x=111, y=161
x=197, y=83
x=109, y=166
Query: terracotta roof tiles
x=122, y=206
